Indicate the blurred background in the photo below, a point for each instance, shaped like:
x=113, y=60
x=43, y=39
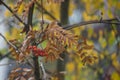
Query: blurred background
x=104, y=37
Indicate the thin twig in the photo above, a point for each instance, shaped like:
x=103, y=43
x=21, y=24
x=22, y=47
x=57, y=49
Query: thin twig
x=118, y=18
x=45, y=11
x=42, y=16
x=45, y=76
x=12, y=12
x=9, y=43
x=40, y=20
x=43, y=70
x=117, y=33
x=5, y=55
x=107, y=21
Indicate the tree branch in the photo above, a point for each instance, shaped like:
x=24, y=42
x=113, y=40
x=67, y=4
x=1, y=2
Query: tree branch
x=44, y=74
x=27, y=28
x=44, y=10
x=9, y=43
x=107, y=21
x=5, y=55
x=30, y=18
x=12, y=12
x=40, y=20
x=36, y=68
x=64, y=9
x=64, y=12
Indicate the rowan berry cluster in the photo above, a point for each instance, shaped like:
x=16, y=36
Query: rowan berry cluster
x=38, y=51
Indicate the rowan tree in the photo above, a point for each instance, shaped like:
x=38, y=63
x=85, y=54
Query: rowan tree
x=39, y=32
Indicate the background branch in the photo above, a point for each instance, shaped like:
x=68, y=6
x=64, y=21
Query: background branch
x=9, y=43
x=12, y=12
x=29, y=20
x=106, y=21
x=5, y=55
x=45, y=11
x=64, y=19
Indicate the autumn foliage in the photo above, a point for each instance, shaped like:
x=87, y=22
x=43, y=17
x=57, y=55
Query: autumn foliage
x=58, y=40
x=45, y=41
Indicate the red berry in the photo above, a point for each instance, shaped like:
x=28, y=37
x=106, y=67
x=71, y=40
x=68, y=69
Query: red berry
x=37, y=51
x=34, y=47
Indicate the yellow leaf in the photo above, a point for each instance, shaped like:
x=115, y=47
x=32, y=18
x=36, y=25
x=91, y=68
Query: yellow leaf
x=103, y=42
x=101, y=56
x=20, y=10
x=115, y=76
x=116, y=63
x=70, y=67
x=113, y=56
x=7, y=13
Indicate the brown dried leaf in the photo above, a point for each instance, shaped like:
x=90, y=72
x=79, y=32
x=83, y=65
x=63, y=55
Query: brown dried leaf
x=27, y=7
x=53, y=51
x=24, y=73
x=27, y=69
x=58, y=39
x=21, y=74
x=22, y=78
x=16, y=70
x=31, y=78
x=17, y=6
x=55, y=33
x=85, y=56
x=88, y=47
